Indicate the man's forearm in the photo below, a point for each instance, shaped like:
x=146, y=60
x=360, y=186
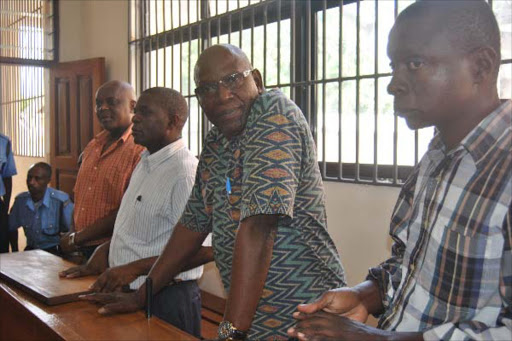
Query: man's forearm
x=251, y=261
x=100, y=229
x=181, y=247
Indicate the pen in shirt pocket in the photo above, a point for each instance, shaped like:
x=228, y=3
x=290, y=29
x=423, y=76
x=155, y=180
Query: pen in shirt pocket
x=228, y=186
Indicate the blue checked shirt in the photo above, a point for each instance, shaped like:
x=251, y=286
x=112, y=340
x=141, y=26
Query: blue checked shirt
x=43, y=225
x=450, y=274
x=7, y=166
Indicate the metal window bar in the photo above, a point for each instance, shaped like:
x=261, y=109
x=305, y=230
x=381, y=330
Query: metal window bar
x=307, y=84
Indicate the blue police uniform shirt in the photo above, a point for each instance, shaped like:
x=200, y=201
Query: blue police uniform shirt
x=42, y=221
x=7, y=166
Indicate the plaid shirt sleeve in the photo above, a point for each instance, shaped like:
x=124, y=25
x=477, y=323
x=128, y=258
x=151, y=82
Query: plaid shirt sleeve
x=475, y=330
x=389, y=273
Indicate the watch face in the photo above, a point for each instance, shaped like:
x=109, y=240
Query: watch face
x=225, y=329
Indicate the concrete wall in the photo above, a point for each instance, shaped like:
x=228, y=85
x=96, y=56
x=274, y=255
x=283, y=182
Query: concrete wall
x=358, y=215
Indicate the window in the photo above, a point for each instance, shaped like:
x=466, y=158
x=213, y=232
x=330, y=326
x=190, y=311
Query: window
x=28, y=45
x=328, y=56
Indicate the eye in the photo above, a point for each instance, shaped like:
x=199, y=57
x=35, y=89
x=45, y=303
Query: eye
x=231, y=80
x=415, y=64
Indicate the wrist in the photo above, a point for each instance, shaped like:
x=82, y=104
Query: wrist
x=77, y=240
x=227, y=331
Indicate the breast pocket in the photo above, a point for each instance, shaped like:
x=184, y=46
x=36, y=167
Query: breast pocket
x=469, y=268
x=50, y=221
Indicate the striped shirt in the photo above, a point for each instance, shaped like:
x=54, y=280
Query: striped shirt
x=450, y=275
x=153, y=203
x=103, y=178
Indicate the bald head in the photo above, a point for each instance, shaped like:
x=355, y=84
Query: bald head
x=120, y=88
x=211, y=57
x=468, y=24
x=115, y=101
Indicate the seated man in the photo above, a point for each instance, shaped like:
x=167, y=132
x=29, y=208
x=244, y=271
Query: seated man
x=153, y=203
x=450, y=274
x=43, y=212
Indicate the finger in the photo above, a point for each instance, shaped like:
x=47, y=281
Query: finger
x=69, y=271
x=110, y=285
x=98, y=298
x=301, y=316
x=320, y=304
x=117, y=308
x=99, y=284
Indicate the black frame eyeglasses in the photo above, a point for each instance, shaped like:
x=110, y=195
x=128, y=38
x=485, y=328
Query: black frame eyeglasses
x=230, y=82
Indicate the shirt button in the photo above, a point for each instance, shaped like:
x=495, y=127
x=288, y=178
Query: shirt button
x=83, y=209
x=95, y=168
x=89, y=188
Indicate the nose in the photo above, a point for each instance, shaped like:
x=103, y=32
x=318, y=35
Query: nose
x=397, y=86
x=30, y=181
x=224, y=93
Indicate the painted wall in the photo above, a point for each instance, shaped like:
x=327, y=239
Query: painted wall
x=358, y=215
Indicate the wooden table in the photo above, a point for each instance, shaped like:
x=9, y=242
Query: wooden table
x=25, y=317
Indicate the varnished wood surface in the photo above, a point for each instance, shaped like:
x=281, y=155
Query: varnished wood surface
x=37, y=273
x=22, y=317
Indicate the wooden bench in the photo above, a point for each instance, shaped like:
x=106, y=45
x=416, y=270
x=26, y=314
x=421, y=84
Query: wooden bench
x=212, y=313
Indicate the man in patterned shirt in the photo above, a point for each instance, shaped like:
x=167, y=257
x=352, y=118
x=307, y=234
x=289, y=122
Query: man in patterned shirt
x=450, y=274
x=259, y=191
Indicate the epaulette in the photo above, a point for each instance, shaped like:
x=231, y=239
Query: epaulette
x=60, y=196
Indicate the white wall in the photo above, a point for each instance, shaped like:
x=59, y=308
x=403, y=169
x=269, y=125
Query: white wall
x=358, y=215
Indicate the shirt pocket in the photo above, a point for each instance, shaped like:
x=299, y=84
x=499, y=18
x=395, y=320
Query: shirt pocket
x=50, y=223
x=468, y=268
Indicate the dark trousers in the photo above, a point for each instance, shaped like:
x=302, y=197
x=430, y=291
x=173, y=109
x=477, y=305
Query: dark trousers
x=180, y=305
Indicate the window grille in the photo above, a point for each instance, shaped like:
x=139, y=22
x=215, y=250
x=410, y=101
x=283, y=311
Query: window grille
x=328, y=56
x=28, y=44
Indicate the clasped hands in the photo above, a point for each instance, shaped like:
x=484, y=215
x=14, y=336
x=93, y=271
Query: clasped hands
x=339, y=314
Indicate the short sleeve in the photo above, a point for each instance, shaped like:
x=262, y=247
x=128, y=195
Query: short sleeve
x=9, y=168
x=272, y=159
x=195, y=216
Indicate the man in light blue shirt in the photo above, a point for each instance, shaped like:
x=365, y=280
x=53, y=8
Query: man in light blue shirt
x=44, y=212
x=7, y=170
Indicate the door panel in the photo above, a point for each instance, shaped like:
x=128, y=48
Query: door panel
x=73, y=124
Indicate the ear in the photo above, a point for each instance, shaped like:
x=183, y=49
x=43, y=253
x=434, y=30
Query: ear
x=258, y=80
x=484, y=63
x=174, y=121
x=132, y=105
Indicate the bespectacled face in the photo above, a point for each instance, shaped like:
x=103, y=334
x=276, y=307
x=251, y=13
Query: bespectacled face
x=37, y=181
x=226, y=89
x=432, y=80
x=113, y=108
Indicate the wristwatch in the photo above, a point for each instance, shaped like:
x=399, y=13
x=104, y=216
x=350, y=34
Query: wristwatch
x=72, y=239
x=229, y=332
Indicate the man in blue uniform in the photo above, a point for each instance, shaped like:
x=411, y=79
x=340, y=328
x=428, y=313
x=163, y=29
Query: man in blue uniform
x=44, y=212
x=7, y=170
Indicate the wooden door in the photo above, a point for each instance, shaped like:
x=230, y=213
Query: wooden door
x=73, y=123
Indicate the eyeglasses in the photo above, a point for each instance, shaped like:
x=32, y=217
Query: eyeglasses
x=111, y=102
x=230, y=82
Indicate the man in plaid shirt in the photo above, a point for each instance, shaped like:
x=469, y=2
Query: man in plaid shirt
x=450, y=273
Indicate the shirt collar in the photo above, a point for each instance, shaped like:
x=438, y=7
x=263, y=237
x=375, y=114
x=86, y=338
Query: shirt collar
x=151, y=161
x=485, y=136
x=46, y=200
x=103, y=136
